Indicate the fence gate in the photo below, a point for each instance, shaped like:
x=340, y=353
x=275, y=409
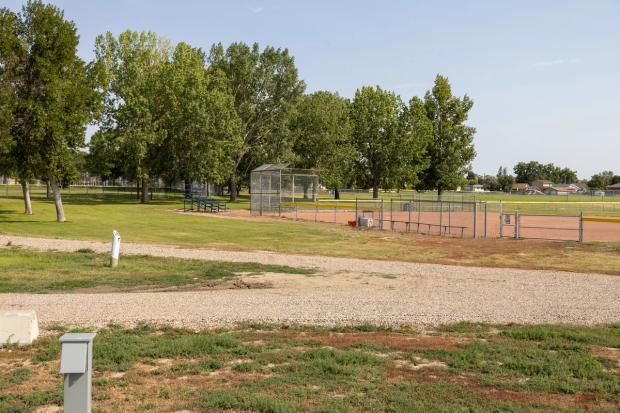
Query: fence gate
x=540, y=226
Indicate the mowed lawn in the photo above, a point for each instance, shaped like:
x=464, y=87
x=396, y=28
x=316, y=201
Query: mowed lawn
x=160, y=222
x=28, y=271
x=284, y=369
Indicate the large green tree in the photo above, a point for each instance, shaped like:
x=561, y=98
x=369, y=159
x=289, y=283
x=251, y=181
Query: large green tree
x=451, y=149
x=266, y=87
x=322, y=134
x=377, y=135
x=134, y=111
x=504, y=180
x=603, y=179
x=202, y=124
x=53, y=90
x=527, y=172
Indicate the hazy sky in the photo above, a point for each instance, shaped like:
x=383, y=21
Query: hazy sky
x=544, y=75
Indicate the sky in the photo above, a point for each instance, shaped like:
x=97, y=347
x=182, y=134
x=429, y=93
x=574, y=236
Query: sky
x=544, y=75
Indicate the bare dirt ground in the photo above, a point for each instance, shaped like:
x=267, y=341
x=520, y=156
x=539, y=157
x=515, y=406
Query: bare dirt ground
x=344, y=291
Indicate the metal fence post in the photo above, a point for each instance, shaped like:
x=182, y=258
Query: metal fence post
x=440, y=215
x=580, y=225
x=517, y=220
x=475, y=220
x=381, y=215
x=392, y=214
x=485, y=219
x=501, y=220
x=450, y=217
x=409, y=219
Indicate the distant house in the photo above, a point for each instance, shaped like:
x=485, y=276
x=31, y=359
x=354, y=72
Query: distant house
x=473, y=188
x=583, y=187
x=520, y=187
x=561, y=189
x=614, y=187
x=541, y=184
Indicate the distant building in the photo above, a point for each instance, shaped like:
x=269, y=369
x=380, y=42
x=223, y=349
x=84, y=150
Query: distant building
x=541, y=184
x=583, y=187
x=473, y=188
x=614, y=187
x=561, y=189
x=521, y=188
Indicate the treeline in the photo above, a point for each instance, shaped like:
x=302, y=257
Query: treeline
x=178, y=113
x=528, y=172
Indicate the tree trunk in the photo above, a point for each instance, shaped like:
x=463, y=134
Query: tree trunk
x=137, y=190
x=60, y=212
x=336, y=193
x=188, y=187
x=232, y=189
x=26, y=192
x=47, y=189
x=439, y=192
x=145, y=192
x=375, y=192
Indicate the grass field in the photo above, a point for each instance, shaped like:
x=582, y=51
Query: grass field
x=264, y=368
x=158, y=222
x=27, y=271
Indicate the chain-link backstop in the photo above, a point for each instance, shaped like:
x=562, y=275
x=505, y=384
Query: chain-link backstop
x=276, y=188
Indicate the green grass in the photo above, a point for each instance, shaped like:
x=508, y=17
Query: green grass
x=273, y=368
x=159, y=222
x=23, y=270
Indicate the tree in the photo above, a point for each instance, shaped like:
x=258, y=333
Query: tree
x=134, y=114
x=451, y=149
x=603, y=179
x=266, y=88
x=54, y=91
x=202, y=124
x=528, y=172
x=103, y=157
x=504, y=180
x=322, y=134
x=378, y=137
x=417, y=132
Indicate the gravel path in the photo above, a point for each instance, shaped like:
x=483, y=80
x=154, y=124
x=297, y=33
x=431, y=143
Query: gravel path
x=348, y=291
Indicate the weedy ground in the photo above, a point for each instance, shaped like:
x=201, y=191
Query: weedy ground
x=278, y=368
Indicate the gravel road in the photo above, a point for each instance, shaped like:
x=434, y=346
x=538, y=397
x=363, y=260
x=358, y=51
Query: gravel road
x=346, y=291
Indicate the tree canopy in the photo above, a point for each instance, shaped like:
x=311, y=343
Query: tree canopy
x=322, y=133
x=451, y=149
x=266, y=88
x=528, y=172
x=53, y=92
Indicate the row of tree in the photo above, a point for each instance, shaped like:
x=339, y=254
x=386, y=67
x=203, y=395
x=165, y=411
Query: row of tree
x=528, y=172
x=176, y=113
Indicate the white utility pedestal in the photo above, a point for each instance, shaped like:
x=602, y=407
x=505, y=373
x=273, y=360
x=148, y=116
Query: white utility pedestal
x=76, y=363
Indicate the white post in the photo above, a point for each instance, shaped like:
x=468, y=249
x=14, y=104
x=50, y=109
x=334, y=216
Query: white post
x=116, y=248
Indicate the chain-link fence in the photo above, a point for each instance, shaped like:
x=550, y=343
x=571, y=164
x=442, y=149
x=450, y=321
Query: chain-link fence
x=276, y=188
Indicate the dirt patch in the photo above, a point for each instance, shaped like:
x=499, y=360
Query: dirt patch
x=431, y=375
x=223, y=284
x=395, y=341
